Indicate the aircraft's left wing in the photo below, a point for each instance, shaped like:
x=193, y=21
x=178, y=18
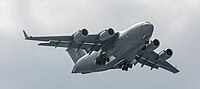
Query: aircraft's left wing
x=167, y=66
x=162, y=64
x=152, y=60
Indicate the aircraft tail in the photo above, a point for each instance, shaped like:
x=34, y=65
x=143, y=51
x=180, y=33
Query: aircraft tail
x=76, y=55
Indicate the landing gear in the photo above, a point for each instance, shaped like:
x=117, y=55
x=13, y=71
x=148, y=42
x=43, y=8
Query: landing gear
x=144, y=48
x=102, y=59
x=130, y=65
x=104, y=62
x=98, y=62
x=147, y=42
x=125, y=66
x=108, y=59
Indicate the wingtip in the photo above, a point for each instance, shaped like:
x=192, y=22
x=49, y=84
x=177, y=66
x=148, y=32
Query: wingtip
x=25, y=35
x=177, y=72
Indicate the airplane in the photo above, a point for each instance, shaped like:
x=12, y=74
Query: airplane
x=111, y=50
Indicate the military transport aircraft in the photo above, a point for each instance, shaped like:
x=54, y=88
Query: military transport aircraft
x=111, y=50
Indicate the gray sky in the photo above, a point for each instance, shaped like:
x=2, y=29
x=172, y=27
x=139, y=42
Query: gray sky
x=23, y=65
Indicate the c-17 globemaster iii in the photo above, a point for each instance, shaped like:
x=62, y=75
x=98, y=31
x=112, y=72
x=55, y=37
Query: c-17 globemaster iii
x=111, y=50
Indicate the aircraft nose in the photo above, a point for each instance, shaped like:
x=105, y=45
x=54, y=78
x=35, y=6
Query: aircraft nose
x=147, y=26
x=147, y=22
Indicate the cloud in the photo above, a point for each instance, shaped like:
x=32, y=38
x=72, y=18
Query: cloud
x=24, y=65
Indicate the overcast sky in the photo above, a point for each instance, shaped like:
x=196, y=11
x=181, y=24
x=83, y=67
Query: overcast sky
x=23, y=65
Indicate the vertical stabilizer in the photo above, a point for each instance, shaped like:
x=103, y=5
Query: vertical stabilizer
x=76, y=55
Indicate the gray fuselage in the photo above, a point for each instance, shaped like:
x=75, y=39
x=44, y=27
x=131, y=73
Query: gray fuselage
x=123, y=48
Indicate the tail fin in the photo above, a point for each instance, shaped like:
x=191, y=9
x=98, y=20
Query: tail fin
x=76, y=55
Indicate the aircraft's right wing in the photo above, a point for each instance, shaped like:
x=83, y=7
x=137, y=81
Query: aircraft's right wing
x=87, y=46
x=89, y=39
x=90, y=43
x=79, y=40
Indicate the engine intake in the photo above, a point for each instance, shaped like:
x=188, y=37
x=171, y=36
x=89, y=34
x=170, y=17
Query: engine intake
x=111, y=31
x=153, y=45
x=84, y=32
x=80, y=35
x=165, y=54
x=106, y=34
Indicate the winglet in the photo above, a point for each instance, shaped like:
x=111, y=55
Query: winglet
x=25, y=35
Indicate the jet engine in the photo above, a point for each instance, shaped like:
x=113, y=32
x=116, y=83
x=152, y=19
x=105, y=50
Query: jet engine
x=153, y=45
x=106, y=34
x=80, y=35
x=165, y=54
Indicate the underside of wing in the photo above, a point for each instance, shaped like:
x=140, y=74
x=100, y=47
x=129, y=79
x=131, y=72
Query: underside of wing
x=67, y=44
x=79, y=36
x=167, y=66
x=154, y=60
x=88, y=39
x=49, y=38
x=147, y=63
x=79, y=40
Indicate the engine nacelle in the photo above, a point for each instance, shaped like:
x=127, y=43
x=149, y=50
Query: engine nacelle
x=165, y=54
x=106, y=34
x=80, y=35
x=153, y=45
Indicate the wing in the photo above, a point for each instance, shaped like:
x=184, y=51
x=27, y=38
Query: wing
x=87, y=46
x=151, y=59
x=167, y=66
x=91, y=42
x=93, y=38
